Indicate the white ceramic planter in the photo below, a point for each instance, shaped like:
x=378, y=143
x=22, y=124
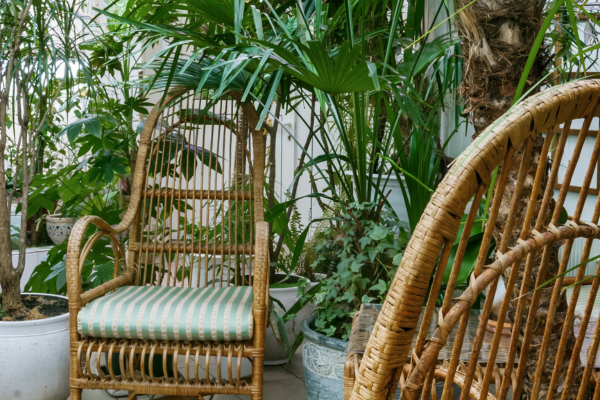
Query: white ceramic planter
x=59, y=228
x=34, y=359
x=275, y=354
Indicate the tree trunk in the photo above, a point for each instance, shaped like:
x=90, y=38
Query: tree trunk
x=37, y=230
x=11, y=301
x=497, y=37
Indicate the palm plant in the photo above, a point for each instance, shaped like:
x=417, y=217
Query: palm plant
x=375, y=86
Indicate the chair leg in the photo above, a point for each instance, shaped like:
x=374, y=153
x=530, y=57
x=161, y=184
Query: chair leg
x=257, y=378
x=76, y=393
x=132, y=395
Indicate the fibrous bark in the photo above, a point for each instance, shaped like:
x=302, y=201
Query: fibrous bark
x=497, y=37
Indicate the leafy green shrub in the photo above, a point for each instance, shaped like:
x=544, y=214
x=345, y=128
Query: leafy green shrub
x=50, y=276
x=366, y=247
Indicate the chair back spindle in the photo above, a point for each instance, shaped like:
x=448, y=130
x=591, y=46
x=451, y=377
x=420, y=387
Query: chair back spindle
x=196, y=225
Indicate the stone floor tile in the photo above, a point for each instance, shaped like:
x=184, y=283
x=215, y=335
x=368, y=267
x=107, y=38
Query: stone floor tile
x=295, y=365
x=276, y=373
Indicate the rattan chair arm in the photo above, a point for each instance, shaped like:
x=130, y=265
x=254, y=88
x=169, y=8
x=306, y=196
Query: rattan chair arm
x=124, y=279
x=75, y=260
x=261, y=282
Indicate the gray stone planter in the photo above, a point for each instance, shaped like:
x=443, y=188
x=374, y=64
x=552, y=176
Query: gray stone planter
x=323, y=360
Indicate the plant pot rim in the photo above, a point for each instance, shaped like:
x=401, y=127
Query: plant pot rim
x=32, y=322
x=294, y=288
x=58, y=218
x=332, y=343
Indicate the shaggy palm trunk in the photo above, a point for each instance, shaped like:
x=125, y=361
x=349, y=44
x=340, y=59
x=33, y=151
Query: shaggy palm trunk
x=497, y=37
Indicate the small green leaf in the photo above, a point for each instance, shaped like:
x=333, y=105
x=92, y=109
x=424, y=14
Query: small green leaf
x=381, y=287
x=397, y=259
x=329, y=331
x=367, y=299
x=365, y=241
x=379, y=233
x=564, y=216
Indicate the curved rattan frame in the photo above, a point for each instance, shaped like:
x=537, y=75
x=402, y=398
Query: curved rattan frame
x=195, y=385
x=389, y=345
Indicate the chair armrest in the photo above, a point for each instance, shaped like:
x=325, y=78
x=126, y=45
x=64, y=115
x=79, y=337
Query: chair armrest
x=261, y=265
x=261, y=283
x=76, y=257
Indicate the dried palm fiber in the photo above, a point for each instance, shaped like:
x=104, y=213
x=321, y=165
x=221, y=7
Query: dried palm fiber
x=518, y=131
x=497, y=38
x=174, y=217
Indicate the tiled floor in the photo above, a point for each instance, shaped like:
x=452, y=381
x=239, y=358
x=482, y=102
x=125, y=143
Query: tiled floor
x=279, y=383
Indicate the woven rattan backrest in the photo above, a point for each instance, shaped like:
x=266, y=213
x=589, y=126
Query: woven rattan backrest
x=526, y=145
x=198, y=208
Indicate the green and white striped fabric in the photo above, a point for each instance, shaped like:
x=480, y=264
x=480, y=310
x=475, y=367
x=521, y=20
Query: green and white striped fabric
x=170, y=313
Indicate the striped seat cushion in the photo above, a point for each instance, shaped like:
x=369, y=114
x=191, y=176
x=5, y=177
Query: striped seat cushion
x=170, y=313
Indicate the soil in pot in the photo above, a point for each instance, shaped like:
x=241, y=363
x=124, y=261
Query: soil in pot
x=39, y=307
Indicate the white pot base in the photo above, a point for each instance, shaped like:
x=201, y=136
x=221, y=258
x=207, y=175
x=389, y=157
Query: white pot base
x=34, y=358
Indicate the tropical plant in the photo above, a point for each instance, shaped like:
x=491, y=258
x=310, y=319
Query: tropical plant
x=38, y=45
x=367, y=94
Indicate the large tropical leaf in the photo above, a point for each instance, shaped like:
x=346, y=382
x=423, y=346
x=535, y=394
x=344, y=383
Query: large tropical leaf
x=319, y=69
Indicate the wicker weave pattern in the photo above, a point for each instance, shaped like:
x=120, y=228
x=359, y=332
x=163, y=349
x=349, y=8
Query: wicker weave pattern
x=388, y=347
x=173, y=143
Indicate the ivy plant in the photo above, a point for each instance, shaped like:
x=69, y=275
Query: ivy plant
x=366, y=245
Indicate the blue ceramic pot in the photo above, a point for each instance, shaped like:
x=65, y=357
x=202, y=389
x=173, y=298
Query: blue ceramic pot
x=323, y=358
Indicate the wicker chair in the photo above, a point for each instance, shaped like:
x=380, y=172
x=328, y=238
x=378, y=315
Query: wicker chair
x=195, y=283
x=508, y=145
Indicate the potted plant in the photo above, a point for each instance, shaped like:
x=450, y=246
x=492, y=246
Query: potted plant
x=33, y=327
x=365, y=245
x=59, y=227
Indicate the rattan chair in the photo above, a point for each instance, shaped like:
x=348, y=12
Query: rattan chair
x=194, y=288
x=508, y=144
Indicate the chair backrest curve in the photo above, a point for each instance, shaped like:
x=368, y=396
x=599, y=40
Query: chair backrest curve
x=509, y=138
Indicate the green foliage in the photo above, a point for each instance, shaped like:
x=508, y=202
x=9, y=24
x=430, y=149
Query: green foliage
x=50, y=276
x=368, y=249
